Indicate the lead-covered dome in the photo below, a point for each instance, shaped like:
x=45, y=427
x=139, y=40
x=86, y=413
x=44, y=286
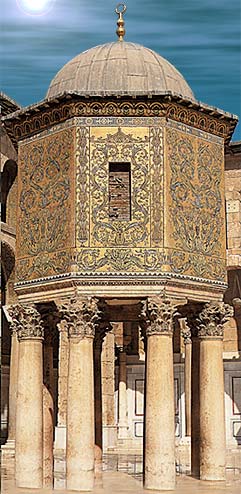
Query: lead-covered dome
x=119, y=68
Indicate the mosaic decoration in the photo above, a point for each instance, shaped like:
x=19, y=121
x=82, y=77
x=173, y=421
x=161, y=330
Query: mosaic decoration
x=185, y=112
x=176, y=224
x=82, y=186
x=148, y=261
x=157, y=210
x=43, y=265
x=120, y=145
x=45, y=207
x=195, y=207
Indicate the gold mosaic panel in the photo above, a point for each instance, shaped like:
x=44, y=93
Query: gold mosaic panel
x=113, y=144
x=45, y=204
x=194, y=203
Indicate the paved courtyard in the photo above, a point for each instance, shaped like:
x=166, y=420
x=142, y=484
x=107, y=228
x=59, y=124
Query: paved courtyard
x=122, y=483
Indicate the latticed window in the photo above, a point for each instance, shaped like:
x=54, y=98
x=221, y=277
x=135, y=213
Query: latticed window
x=120, y=191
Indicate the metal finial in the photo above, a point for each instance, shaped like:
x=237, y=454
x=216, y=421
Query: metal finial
x=120, y=10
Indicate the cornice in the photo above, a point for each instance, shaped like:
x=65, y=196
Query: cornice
x=36, y=118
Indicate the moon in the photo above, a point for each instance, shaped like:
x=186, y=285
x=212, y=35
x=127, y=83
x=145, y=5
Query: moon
x=35, y=7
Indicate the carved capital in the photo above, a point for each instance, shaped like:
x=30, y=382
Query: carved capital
x=50, y=318
x=27, y=320
x=81, y=315
x=208, y=321
x=10, y=314
x=102, y=329
x=185, y=332
x=158, y=313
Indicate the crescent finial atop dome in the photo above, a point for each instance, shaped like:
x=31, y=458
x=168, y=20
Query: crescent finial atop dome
x=120, y=10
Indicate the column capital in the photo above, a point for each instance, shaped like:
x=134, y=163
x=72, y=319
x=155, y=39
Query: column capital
x=158, y=313
x=27, y=321
x=185, y=332
x=208, y=321
x=81, y=315
x=10, y=314
x=50, y=317
x=103, y=327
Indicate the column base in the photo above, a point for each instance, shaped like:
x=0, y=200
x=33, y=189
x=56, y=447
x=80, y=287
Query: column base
x=8, y=449
x=123, y=432
x=161, y=485
x=83, y=481
x=212, y=477
x=109, y=436
x=60, y=438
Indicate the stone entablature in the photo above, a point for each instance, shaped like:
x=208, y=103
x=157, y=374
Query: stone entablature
x=35, y=118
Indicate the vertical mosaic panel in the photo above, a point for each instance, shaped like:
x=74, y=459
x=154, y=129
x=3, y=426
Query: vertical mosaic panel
x=195, y=221
x=82, y=186
x=126, y=145
x=45, y=205
x=157, y=210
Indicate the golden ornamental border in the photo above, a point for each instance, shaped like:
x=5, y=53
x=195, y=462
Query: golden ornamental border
x=21, y=126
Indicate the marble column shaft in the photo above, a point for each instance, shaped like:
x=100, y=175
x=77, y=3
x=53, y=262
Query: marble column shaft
x=187, y=385
x=122, y=397
x=80, y=416
x=48, y=412
x=207, y=327
x=212, y=420
x=81, y=315
x=29, y=416
x=195, y=408
x=159, y=414
x=13, y=380
x=98, y=409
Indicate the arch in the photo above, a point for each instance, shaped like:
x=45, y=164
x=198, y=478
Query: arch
x=8, y=176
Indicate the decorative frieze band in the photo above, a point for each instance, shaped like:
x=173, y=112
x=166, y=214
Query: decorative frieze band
x=81, y=315
x=158, y=313
x=27, y=321
x=21, y=125
x=208, y=321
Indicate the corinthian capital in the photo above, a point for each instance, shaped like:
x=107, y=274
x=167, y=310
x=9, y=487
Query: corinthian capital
x=27, y=321
x=208, y=321
x=158, y=313
x=81, y=315
x=185, y=332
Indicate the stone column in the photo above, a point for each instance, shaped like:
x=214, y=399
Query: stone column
x=122, y=397
x=98, y=408
x=48, y=398
x=63, y=365
x=209, y=326
x=212, y=420
x=29, y=415
x=81, y=315
x=186, y=334
x=159, y=414
x=195, y=408
x=108, y=390
x=9, y=448
x=101, y=331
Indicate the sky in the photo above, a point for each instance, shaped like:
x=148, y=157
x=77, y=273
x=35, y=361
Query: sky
x=202, y=39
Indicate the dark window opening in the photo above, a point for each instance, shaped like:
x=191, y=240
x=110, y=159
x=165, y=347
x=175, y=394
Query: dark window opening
x=120, y=191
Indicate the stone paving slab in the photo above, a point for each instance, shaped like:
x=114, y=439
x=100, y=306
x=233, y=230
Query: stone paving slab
x=121, y=483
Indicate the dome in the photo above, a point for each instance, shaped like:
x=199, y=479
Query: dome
x=119, y=68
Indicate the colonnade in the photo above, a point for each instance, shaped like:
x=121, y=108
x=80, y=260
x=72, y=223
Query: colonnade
x=82, y=319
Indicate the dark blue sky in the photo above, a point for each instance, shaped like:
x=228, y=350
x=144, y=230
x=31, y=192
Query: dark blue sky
x=201, y=38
